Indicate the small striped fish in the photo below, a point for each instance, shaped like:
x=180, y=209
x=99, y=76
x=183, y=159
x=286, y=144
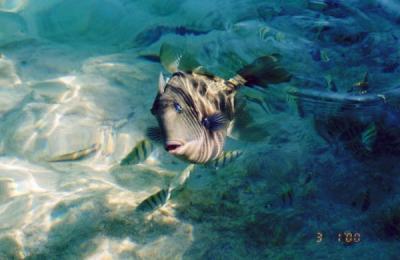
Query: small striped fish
x=368, y=137
x=139, y=153
x=226, y=158
x=160, y=198
x=195, y=109
x=180, y=179
x=74, y=156
x=363, y=85
x=155, y=201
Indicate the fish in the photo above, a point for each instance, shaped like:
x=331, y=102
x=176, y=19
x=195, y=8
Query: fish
x=160, y=198
x=366, y=123
x=180, y=179
x=77, y=155
x=368, y=136
x=328, y=103
x=286, y=194
x=363, y=85
x=331, y=84
x=224, y=159
x=139, y=153
x=196, y=109
x=325, y=56
x=317, y=5
x=155, y=201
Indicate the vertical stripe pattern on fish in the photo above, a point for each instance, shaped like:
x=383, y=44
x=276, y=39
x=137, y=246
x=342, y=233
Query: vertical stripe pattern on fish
x=195, y=109
x=225, y=159
x=155, y=201
x=139, y=153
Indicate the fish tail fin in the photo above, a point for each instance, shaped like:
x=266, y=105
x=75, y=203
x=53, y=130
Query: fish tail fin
x=263, y=71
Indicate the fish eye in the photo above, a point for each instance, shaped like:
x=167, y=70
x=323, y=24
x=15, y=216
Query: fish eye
x=177, y=107
x=206, y=122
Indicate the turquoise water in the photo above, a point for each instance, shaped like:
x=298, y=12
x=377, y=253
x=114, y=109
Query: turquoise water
x=80, y=75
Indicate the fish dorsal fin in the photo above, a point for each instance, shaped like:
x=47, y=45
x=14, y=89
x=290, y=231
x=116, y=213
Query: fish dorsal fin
x=161, y=83
x=176, y=59
x=202, y=71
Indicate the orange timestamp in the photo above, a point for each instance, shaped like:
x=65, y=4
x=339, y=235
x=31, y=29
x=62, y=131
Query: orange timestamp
x=346, y=237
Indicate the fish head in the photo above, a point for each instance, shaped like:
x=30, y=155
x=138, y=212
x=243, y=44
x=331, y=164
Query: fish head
x=185, y=130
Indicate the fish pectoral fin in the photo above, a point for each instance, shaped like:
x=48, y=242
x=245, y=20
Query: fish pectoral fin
x=155, y=134
x=263, y=71
x=215, y=122
x=176, y=59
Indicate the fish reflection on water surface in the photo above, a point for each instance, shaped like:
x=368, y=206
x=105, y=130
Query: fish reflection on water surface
x=367, y=123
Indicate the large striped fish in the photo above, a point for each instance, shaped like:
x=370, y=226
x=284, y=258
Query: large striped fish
x=195, y=109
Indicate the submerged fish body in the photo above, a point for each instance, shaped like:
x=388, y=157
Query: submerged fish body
x=201, y=108
x=224, y=159
x=160, y=198
x=74, y=156
x=195, y=109
x=155, y=201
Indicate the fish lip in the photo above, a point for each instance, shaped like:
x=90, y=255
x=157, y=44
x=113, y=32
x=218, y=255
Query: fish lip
x=173, y=147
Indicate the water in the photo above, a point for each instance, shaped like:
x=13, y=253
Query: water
x=74, y=74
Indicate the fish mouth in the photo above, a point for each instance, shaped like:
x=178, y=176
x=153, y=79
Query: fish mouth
x=173, y=146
